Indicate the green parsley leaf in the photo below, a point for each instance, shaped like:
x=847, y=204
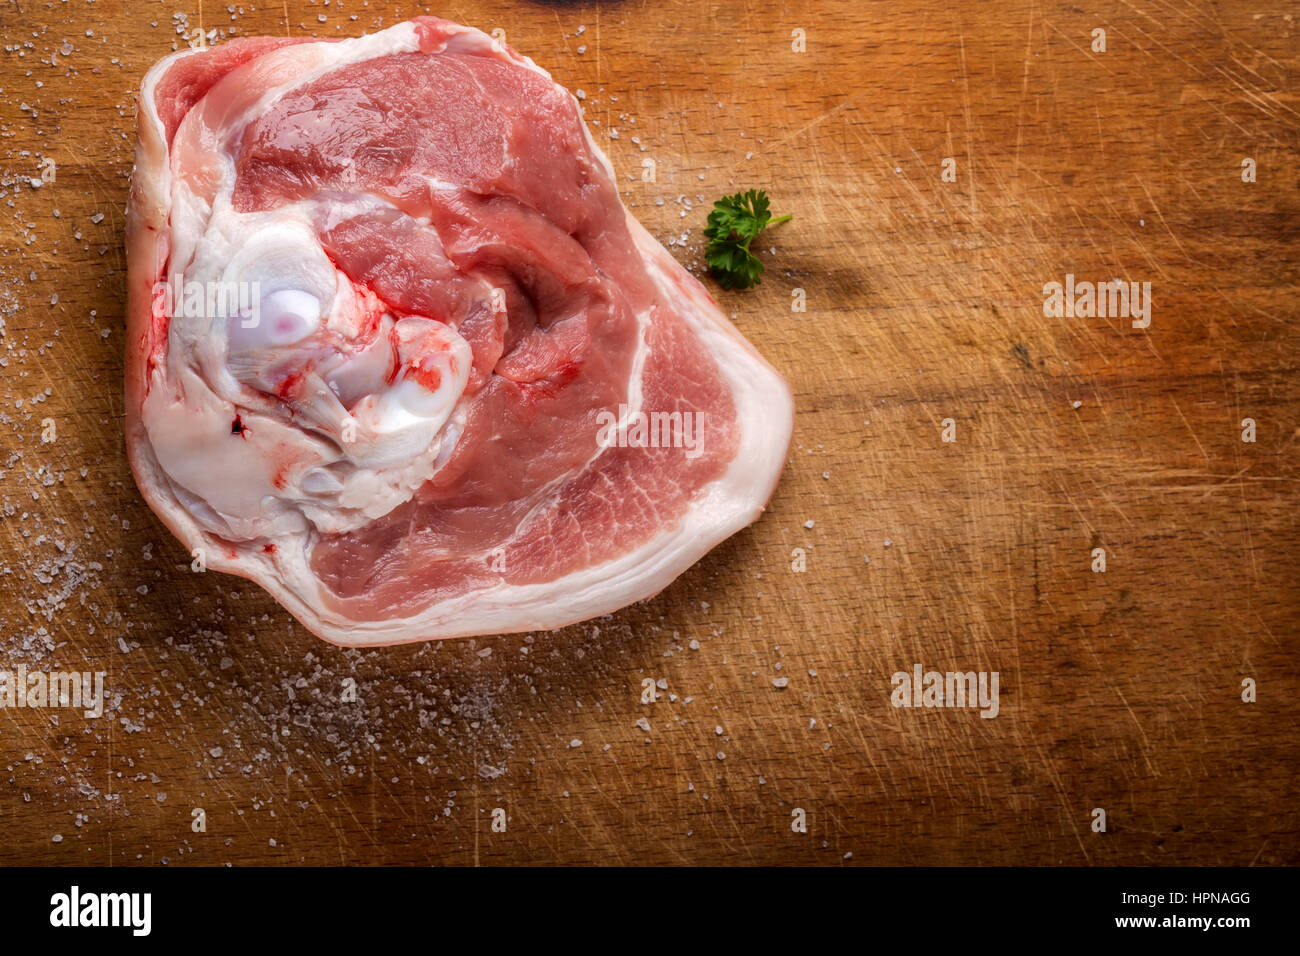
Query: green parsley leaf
x=733, y=224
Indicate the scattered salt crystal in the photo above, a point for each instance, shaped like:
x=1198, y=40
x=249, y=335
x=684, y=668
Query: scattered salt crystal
x=780, y=681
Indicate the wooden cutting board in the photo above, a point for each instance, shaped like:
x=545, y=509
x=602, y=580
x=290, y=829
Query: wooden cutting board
x=923, y=300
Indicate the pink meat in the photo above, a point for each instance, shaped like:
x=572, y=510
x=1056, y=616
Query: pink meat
x=487, y=211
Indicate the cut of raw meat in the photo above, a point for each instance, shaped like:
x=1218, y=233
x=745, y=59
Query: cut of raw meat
x=398, y=353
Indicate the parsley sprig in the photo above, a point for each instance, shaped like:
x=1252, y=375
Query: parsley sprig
x=734, y=223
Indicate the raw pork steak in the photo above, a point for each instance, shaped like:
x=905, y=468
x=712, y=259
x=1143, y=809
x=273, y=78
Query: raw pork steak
x=397, y=352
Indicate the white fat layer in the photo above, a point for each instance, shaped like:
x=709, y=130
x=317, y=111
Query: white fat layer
x=368, y=420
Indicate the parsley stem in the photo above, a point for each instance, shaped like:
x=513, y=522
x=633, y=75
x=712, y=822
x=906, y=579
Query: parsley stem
x=766, y=225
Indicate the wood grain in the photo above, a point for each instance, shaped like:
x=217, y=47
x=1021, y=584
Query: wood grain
x=1120, y=690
